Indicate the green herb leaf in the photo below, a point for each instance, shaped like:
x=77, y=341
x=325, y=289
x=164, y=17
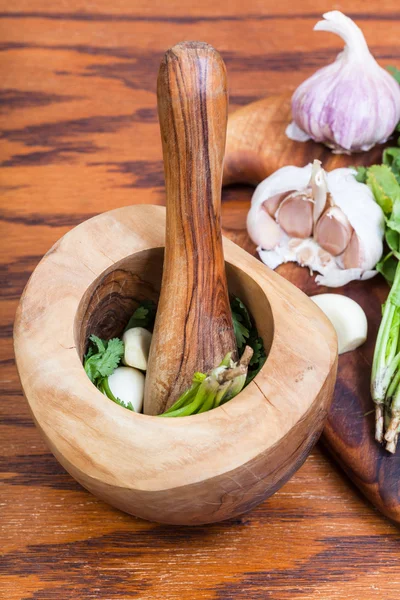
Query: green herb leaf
x=246, y=334
x=258, y=359
x=392, y=238
x=361, y=174
x=384, y=186
x=241, y=322
x=144, y=316
x=105, y=361
x=101, y=345
x=241, y=332
x=387, y=267
x=111, y=357
x=391, y=158
x=393, y=222
x=395, y=72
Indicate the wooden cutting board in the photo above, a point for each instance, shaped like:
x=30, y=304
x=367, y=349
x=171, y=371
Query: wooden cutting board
x=257, y=146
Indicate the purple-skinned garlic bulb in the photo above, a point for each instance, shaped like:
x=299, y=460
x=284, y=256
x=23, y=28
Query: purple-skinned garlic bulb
x=351, y=104
x=328, y=222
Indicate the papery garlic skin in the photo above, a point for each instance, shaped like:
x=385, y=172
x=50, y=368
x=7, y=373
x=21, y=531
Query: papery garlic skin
x=356, y=202
x=351, y=104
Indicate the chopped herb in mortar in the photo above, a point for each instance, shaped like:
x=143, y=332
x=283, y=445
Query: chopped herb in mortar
x=208, y=390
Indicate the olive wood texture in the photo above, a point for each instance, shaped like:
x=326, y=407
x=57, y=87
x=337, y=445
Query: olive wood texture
x=256, y=147
x=199, y=469
x=193, y=329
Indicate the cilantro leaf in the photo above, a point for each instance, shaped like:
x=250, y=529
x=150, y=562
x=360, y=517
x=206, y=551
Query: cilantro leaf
x=387, y=267
x=247, y=335
x=101, y=345
x=259, y=356
x=384, y=186
x=144, y=316
x=361, y=176
x=105, y=361
x=241, y=322
x=392, y=238
x=241, y=332
x=110, y=359
x=391, y=158
x=395, y=72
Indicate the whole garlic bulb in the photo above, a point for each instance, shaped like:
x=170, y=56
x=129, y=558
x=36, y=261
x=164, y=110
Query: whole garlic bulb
x=351, y=104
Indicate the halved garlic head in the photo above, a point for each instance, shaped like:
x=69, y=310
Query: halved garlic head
x=328, y=222
x=347, y=318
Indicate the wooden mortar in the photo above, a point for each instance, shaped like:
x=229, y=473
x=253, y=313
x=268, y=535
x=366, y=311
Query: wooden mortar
x=192, y=470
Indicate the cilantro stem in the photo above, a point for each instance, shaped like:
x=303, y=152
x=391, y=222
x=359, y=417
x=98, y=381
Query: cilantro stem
x=385, y=375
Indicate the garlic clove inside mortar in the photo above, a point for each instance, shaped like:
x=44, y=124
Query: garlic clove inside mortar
x=341, y=239
x=127, y=384
x=137, y=347
x=347, y=317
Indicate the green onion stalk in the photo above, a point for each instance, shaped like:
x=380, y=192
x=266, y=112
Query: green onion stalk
x=212, y=390
x=385, y=377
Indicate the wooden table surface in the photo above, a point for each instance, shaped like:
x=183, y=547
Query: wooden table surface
x=79, y=137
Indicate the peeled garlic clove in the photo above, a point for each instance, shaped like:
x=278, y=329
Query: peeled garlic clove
x=137, y=347
x=351, y=104
x=262, y=228
x=333, y=231
x=127, y=385
x=295, y=215
x=347, y=317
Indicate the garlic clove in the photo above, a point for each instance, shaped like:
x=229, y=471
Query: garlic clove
x=351, y=104
x=262, y=228
x=333, y=231
x=347, y=317
x=137, y=347
x=127, y=384
x=295, y=215
x=273, y=203
x=319, y=189
x=365, y=216
x=353, y=256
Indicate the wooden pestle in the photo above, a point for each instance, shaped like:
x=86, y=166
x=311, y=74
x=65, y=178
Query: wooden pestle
x=193, y=329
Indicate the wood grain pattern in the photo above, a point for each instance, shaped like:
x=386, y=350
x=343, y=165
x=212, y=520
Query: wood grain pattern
x=180, y=471
x=68, y=69
x=256, y=147
x=193, y=329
